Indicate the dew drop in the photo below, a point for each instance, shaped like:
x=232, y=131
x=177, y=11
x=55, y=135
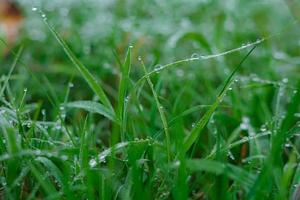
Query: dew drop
x=180, y=73
x=139, y=58
x=71, y=85
x=263, y=128
x=92, y=163
x=297, y=115
x=58, y=126
x=25, y=89
x=102, y=159
x=196, y=56
x=287, y=145
x=34, y=9
x=158, y=68
x=285, y=80
x=64, y=157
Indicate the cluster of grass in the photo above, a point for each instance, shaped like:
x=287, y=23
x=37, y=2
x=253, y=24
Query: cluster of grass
x=87, y=111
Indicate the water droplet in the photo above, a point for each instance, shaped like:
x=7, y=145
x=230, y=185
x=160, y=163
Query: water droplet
x=92, y=163
x=130, y=46
x=297, y=115
x=245, y=123
x=285, y=80
x=71, y=85
x=230, y=88
x=231, y=155
x=34, y=9
x=139, y=58
x=38, y=152
x=63, y=115
x=193, y=125
x=64, y=157
x=43, y=112
x=25, y=89
x=196, y=56
x=127, y=99
x=158, y=68
x=58, y=126
x=287, y=145
x=263, y=128
x=179, y=72
x=102, y=159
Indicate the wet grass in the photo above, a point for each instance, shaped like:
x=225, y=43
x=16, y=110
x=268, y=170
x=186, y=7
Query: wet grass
x=83, y=117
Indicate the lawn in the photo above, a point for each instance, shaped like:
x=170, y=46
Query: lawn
x=150, y=99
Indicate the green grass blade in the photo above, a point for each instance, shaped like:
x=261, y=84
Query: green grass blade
x=82, y=69
x=16, y=59
x=123, y=87
x=233, y=172
x=93, y=107
x=161, y=113
x=46, y=185
x=200, y=125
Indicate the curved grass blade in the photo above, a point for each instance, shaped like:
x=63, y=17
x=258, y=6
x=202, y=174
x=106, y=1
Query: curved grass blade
x=82, y=69
x=195, y=133
x=93, y=107
x=233, y=172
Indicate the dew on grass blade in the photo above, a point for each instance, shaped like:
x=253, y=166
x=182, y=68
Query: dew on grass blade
x=71, y=85
x=34, y=9
x=245, y=123
x=196, y=56
x=285, y=80
x=179, y=72
x=157, y=68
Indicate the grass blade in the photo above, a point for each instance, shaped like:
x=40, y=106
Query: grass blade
x=233, y=172
x=123, y=87
x=200, y=125
x=16, y=59
x=161, y=112
x=93, y=107
x=82, y=69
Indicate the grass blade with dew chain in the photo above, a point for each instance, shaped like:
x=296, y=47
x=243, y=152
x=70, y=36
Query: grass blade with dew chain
x=82, y=69
x=196, y=131
x=160, y=110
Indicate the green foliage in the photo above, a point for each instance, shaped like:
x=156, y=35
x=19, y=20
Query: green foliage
x=161, y=100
